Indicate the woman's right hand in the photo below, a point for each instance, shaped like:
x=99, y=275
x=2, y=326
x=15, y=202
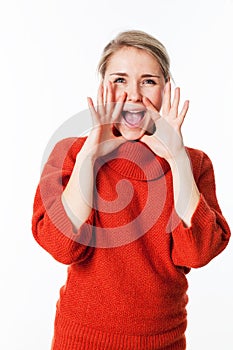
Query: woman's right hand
x=77, y=197
x=101, y=139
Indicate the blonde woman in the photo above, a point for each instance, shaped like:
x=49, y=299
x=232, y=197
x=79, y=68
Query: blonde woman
x=129, y=208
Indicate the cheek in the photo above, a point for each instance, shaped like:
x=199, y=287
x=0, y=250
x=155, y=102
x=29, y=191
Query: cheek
x=156, y=98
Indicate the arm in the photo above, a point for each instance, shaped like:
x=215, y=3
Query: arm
x=209, y=233
x=199, y=231
x=51, y=226
x=63, y=206
x=77, y=197
x=186, y=193
x=167, y=142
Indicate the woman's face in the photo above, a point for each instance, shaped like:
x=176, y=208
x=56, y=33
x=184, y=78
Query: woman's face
x=137, y=73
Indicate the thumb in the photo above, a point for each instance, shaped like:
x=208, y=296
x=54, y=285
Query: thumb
x=118, y=140
x=145, y=139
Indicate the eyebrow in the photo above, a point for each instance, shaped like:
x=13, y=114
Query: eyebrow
x=147, y=75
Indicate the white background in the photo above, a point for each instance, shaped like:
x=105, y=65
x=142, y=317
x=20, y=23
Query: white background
x=49, y=53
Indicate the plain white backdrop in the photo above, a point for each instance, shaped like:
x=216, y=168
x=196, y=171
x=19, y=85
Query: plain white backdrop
x=48, y=59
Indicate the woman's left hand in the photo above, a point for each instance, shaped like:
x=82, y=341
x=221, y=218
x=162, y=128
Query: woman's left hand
x=166, y=141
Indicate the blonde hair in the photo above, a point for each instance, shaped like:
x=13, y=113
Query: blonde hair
x=140, y=40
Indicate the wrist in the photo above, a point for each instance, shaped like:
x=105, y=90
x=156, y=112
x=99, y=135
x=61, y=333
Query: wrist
x=180, y=158
x=88, y=153
x=85, y=157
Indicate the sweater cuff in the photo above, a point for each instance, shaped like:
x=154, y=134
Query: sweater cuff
x=201, y=217
x=192, y=245
x=203, y=214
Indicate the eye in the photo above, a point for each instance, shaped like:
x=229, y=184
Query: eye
x=119, y=80
x=149, y=82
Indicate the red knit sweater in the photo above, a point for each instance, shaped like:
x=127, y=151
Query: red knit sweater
x=126, y=286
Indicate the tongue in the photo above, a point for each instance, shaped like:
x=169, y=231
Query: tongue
x=133, y=118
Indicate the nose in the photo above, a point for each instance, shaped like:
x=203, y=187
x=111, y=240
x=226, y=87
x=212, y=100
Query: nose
x=134, y=93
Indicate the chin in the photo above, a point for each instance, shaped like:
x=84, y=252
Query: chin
x=132, y=136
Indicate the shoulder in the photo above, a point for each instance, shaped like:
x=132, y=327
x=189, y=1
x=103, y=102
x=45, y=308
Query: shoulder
x=70, y=144
x=63, y=151
x=68, y=147
x=197, y=155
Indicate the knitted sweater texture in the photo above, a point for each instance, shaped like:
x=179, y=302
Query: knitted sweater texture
x=126, y=287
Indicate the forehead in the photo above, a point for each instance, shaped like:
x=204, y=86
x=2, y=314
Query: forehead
x=131, y=57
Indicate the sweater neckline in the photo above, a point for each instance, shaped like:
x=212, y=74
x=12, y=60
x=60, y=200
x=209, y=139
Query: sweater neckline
x=135, y=160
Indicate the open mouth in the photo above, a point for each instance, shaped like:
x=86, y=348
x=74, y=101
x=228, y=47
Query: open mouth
x=133, y=118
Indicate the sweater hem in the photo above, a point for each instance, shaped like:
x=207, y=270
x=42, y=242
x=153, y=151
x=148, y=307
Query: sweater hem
x=69, y=335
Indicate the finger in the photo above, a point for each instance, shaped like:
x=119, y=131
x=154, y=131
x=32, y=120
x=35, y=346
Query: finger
x=175, y=104
x=100, y=100
x=148, y=104
x=166, y=106
x=119, y=106
x=183, y=112
x=153, y=112
x=109, y=99
x=94, y=114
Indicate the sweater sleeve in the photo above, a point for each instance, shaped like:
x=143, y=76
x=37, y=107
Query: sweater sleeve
x=209, y=232
x=51, y=227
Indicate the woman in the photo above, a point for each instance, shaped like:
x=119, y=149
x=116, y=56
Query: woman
x=129, y=208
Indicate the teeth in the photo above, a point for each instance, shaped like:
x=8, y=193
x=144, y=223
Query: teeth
x=136, y=111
